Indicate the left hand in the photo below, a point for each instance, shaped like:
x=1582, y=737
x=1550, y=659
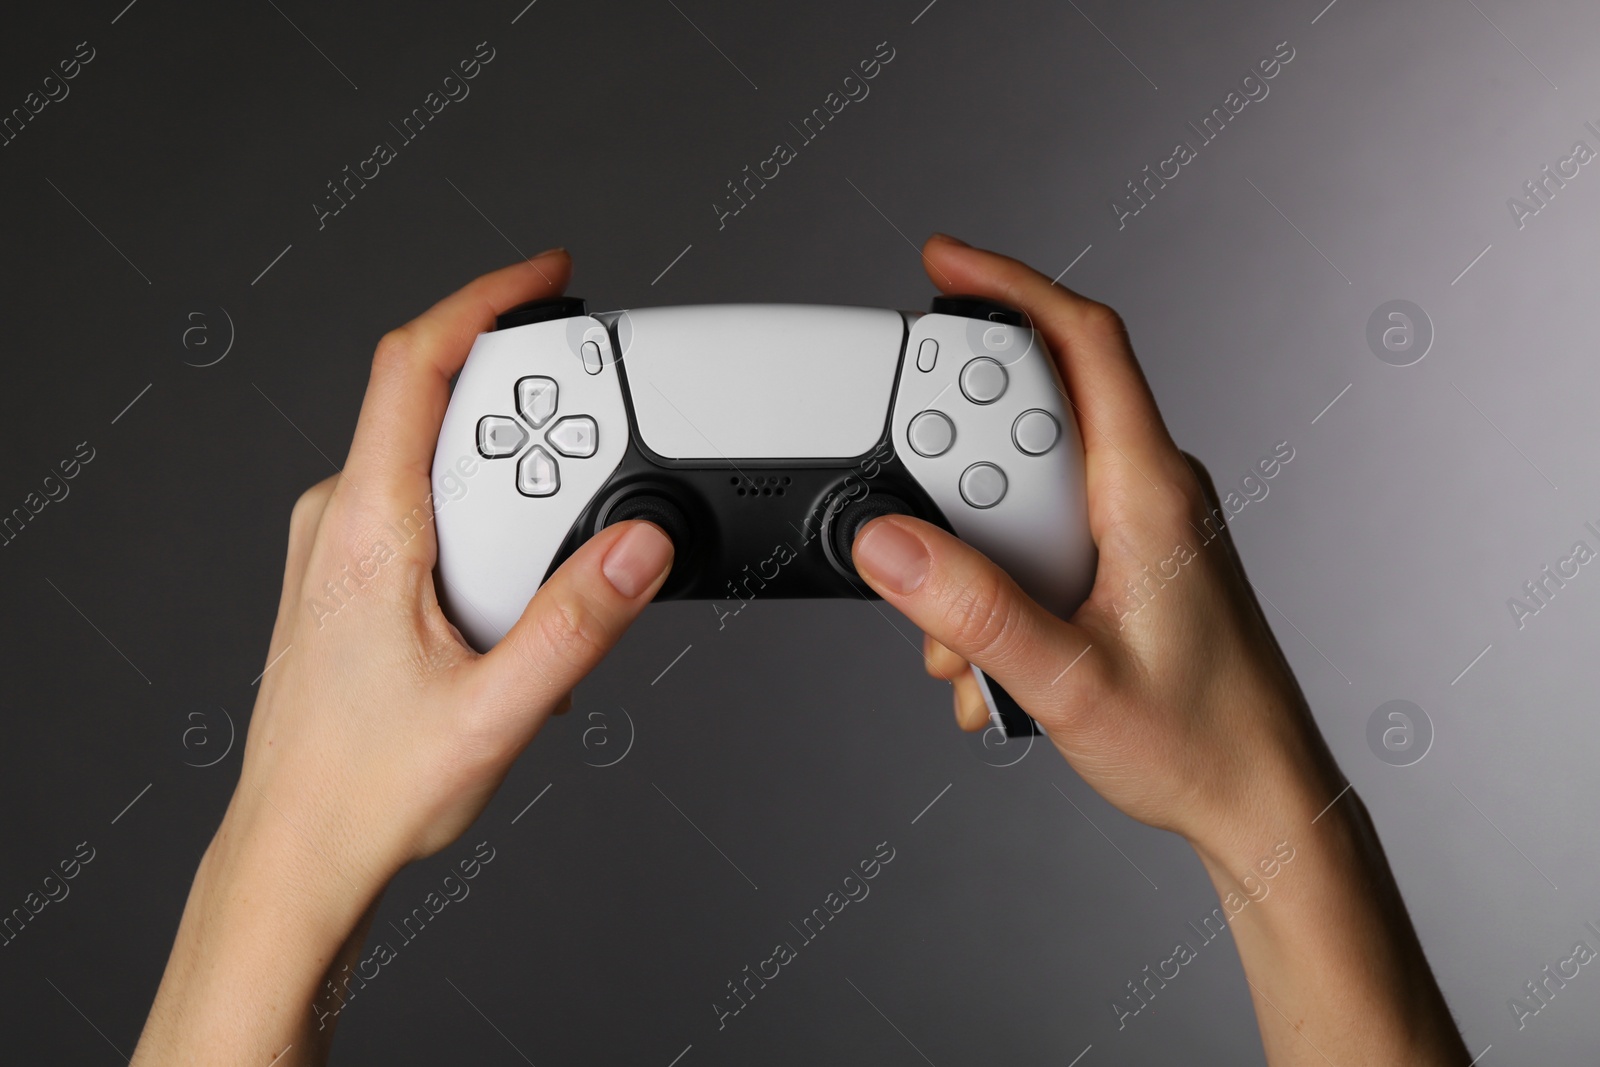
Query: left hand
x=380, y=735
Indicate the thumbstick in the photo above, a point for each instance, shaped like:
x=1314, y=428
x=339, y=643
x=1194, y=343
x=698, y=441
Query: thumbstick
x=848, y=521
x=657, y=509
x=661, y=511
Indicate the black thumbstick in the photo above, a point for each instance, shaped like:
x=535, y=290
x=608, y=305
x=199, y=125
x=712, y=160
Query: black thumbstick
x=657, y=509
x=664, y=513
x=976, y=307
x=848, y=521
x=556, y=307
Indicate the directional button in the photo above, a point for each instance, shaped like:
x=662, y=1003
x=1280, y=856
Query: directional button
x=575, y=436
x=537, y=474
x=536, y=399
x=500, y=436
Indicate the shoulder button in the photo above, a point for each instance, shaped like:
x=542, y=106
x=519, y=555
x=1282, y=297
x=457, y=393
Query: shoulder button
x=975, y=307
x=559, y=307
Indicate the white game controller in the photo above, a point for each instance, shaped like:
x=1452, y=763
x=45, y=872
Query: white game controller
x=761, y=438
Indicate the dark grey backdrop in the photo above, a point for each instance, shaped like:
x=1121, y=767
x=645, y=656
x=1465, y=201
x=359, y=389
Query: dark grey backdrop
x=164, y=208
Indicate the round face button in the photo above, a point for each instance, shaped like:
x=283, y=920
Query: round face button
x=983, y=485
x=983, y=380
x=931, y=433
x=1035, y=432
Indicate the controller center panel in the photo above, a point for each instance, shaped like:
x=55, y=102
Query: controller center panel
x=720, y=475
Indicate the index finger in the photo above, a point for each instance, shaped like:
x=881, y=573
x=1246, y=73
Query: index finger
x=391, y=455
x=1090, y=345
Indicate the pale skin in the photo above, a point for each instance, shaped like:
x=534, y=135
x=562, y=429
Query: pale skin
x=379, y=736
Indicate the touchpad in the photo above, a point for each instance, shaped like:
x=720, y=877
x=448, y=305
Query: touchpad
x=760, y=381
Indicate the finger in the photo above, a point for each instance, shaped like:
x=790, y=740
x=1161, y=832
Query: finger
x=972, y=714
x=1090, y=345
x=942, y=663
x=578, y=615
x=971, y=607
x=391, y=456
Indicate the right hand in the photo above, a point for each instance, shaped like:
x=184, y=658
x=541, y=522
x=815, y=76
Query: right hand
x=1177, y=705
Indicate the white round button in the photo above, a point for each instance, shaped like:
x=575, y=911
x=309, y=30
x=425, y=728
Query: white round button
x=931, y=433
x=983, y=485
x=983, y=380
x=1035, y=432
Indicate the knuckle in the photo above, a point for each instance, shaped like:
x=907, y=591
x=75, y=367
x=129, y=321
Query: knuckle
x=394, y=349
x=572, y=631
x=1103, y=321
x=1197, y=481
x=306, y=514
x=1184, y=501
x=983, y=615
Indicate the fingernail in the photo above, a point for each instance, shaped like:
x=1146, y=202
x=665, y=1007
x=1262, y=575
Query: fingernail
x=895, y=557
x=551, y=251
x=638, y=558
x=952, y=240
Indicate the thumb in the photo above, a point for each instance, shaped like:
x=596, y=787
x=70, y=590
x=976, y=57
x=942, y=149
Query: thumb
x=580, y=613
x=959, y=598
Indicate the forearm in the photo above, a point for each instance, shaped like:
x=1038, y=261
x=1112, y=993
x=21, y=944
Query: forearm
x=1335, y=969
x=267, y=923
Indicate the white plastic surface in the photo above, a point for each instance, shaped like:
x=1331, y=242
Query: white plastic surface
x=753, y=381
x=1039, y=531
x=760, y=381
x=495, y=544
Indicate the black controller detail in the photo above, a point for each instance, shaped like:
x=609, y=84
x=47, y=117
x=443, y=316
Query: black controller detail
x=748, y=529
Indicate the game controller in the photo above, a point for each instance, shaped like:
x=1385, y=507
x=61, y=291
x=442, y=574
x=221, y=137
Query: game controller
x=761, y=438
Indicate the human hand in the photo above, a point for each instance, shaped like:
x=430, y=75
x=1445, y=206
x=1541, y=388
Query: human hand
x=1168, y=694
x=1166, y=690
x=380, y=735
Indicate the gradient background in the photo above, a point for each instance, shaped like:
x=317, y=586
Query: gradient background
x=186, y=159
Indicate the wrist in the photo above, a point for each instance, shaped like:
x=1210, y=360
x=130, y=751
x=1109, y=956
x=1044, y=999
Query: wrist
x=267, y=919
x=261, y=870
x=313, y=813
x=1295, y=846
x=1281, y=786
x=1318, y=920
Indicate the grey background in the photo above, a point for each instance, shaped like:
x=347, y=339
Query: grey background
x=186, y=158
